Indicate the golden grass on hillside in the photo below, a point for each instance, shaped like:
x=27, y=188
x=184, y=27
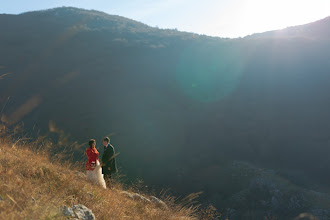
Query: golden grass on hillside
x=33, y=186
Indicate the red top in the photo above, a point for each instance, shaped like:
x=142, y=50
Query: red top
x=92, y=157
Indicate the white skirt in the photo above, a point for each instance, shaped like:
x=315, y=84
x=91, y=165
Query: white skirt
x=96, y=175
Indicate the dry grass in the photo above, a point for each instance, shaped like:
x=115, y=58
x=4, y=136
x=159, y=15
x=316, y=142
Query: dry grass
x=35, y=186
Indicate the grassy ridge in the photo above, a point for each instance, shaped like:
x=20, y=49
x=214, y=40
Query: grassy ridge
x=35, y=186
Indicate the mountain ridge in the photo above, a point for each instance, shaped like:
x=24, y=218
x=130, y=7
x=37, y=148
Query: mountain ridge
x=316, y=30
x=180, y=108
x=288, y=31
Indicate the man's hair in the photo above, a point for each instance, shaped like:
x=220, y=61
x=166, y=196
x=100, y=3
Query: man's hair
x=106, y=139
x=91, y=142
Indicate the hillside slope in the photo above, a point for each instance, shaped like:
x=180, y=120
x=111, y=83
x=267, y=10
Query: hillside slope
x=318, y=30
x=32, y=186
x=180, y=108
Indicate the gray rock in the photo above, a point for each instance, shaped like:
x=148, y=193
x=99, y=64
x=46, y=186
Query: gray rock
x=68, y=212
x=154, y=200
x=159, y=203
x=141, y=198
x=127, y=194
x=79, y=212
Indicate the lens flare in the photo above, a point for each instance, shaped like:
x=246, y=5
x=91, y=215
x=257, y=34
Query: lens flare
x=208, y=73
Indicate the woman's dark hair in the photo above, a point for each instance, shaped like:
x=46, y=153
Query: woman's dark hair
x=91, y=142
x=106, y=139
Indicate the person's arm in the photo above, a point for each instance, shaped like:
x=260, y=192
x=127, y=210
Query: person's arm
x=111, y=158
x=105, y=157
x=111, y=152
x=94, y=156
x=88, y=166
x=102, y=159
x=88, y=155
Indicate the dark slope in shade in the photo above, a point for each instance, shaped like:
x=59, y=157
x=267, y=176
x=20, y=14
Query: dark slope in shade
x=180, y=106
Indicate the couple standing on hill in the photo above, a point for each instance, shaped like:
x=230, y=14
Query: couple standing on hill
x=94, y=169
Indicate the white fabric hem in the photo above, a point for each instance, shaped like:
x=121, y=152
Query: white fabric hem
x=96, y=175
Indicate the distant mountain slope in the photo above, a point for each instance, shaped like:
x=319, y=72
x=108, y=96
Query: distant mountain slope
x=316, y=30
x=75, y=15
x=178, y=106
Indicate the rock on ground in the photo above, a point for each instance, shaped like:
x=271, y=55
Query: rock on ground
x=154, y=200
x=135, y=196
x=127, y=194
x=79, y=212
x=159, y=203
x=140, y=198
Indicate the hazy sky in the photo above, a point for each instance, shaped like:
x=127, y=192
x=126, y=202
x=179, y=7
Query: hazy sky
x=224, y=18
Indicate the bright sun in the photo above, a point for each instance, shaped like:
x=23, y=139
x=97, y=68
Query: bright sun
x=262, y=15
x=243, y=17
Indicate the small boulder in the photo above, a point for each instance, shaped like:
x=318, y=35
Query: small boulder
x=68, y=212
x=127, y=194
x=159, y=203
x=79, y=212
x=141, y=198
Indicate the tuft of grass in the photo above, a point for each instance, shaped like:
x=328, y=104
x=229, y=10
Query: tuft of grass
x=35, y=185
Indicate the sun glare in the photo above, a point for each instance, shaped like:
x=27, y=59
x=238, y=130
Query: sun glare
x=261, y=15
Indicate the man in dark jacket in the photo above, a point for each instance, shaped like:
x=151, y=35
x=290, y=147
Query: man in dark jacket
x=109, y=165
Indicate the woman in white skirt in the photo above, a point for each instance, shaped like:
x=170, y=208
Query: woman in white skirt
x=93, y=168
